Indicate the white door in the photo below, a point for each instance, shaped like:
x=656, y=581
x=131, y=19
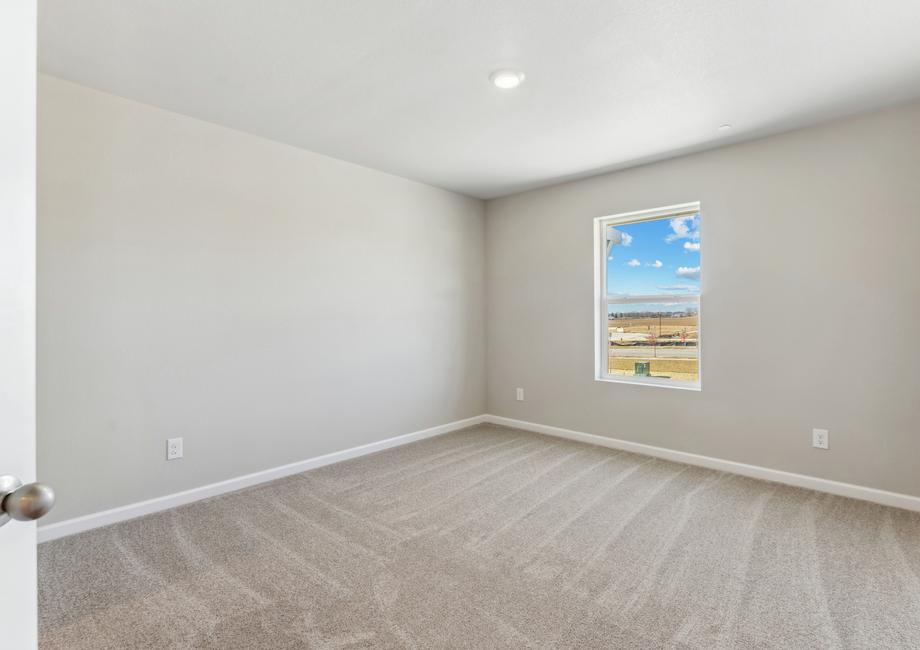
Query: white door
x=18, y=610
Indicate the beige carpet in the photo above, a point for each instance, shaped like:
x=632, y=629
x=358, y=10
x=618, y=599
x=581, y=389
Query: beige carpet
x=493, y=538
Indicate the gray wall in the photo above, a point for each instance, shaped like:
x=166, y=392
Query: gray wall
x=269, y=304
x=811, y=303
x=265, y=303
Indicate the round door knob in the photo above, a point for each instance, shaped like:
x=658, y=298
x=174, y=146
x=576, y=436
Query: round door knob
x=29, y=501
x=23, y=502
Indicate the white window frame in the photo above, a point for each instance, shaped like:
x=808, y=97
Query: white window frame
x=602, y=299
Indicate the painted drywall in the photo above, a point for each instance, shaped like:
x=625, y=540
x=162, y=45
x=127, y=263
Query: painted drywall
x=811, y=303
x=265, y=303
x=402, y=85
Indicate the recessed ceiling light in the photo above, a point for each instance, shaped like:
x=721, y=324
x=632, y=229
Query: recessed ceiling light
x=725, y=127
x=507, y=79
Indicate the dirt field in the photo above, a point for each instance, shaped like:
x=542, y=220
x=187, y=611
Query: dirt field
x=684, y=369
x=673, y=357
x=668, y=326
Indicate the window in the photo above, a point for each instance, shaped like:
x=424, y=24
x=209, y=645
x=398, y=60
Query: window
x=647, y=297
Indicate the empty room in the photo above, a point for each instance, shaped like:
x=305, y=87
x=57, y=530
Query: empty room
x=459, y=324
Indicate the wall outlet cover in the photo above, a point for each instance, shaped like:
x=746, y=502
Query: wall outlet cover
x=173, y=448
x=819, y=438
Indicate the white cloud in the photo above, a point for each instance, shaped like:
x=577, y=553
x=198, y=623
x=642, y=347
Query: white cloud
x=618, y=237
x=687, y=227
x=656, y=264
x=633, y=263
x=692, y=246
x=689, y=272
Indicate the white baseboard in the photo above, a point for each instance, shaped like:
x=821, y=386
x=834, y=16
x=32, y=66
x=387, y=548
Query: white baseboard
x=132, y=510
x=883, y=497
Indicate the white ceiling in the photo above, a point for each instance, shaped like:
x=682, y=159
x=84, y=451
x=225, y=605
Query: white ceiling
x=402, y=85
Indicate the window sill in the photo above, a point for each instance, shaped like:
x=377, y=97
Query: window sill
x=653, y=381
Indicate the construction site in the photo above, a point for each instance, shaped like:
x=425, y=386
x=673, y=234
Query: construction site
x=664, y=345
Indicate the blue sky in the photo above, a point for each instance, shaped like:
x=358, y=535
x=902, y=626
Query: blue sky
x=655, y=257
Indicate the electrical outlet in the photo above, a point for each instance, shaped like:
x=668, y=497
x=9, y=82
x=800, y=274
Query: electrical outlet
x=173, y=448
x=819, y=438
x=520, y=394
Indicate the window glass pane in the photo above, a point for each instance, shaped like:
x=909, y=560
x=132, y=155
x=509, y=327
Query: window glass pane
x=654, y=257
x=654, y=340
